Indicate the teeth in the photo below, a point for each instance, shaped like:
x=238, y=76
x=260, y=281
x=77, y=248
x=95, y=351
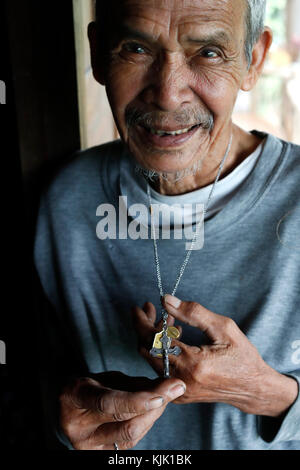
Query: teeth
x=161, y=132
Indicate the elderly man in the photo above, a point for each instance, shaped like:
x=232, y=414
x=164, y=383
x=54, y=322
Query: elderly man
x=225, y=349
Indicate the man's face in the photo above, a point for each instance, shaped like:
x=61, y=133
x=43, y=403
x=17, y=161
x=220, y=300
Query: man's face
x=175, y=66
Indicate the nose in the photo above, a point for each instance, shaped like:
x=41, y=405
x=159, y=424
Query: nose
x=169, y=87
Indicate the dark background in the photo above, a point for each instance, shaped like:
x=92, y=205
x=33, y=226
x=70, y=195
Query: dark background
x=39, y=127
x=20, y=409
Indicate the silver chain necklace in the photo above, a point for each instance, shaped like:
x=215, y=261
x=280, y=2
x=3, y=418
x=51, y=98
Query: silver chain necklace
x=165, y=338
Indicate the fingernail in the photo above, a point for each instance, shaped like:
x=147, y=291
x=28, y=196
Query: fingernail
x=177, y=391
x=170, y=299
x=155, y=403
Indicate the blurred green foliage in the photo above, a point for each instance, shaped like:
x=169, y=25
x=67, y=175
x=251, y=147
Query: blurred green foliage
x=269, y=88
x=276, y=19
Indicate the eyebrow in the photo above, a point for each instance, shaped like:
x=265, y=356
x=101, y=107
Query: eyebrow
x=129, y=33
x=219, y=37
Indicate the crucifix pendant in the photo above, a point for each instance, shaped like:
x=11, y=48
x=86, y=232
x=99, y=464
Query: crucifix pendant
x=162, y=346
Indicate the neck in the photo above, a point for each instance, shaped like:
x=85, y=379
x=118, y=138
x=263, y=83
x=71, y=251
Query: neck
x=204, y=173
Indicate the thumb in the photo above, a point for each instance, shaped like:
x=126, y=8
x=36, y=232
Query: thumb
x=194, y=314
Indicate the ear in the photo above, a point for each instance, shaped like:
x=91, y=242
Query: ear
x=97, y=67
x=259, y=55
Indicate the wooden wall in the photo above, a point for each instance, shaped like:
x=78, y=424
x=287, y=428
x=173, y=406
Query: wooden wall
x=96, y=121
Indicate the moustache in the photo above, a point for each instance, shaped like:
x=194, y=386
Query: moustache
x=187, y=118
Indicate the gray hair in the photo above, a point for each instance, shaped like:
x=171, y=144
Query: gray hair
x=255, y=21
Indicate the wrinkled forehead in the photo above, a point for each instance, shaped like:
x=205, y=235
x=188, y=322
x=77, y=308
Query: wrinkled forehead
x=182, y=7
x=178, y=15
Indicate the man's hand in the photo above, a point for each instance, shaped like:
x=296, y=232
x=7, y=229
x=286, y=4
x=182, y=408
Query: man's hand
x=229, y=370
x=94, y=416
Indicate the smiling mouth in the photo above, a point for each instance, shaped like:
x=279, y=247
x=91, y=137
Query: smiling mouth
x=167, y=139
x=166, y=133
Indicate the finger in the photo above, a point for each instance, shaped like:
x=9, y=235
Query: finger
x=179, y=328
x=150, y=310
x=127, y=433
x=176, y=362
x=170, y=322
x=118, y=381
x=143, y=321
x=144, y=326
x=217, y=327
x=115, y=404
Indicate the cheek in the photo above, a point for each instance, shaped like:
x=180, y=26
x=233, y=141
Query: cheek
x=218, y=91
x=123, y=87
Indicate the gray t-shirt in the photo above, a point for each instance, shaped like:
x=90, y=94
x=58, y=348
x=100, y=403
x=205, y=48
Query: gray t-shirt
x=248, y=269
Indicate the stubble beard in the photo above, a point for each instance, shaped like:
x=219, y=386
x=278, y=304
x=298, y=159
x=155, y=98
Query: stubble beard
x=170, y=177
x=135, y=117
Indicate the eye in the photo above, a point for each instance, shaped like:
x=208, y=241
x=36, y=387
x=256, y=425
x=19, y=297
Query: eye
x=209, y=53
x=134, y=48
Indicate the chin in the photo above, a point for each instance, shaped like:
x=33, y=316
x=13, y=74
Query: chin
x=169, y=166
x=169, y=160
